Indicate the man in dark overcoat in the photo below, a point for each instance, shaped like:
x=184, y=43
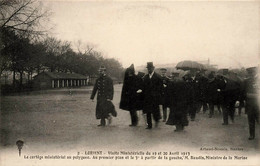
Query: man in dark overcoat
x=131, y=96
x=192, y=88
x=179, y=99
x=215, y=83
x=252, y=100
x=229, y=91
x=152, y=95
x=105, y=91
x=203, y=85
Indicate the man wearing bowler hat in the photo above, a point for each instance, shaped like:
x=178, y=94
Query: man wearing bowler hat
x=152, y=95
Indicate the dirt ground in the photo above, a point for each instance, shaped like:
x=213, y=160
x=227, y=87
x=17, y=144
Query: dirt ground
x=63, y=122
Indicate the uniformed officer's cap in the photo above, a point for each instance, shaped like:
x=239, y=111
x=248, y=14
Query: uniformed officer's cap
x=251, y=70
x=102, y=68
x=149, y=65
x=163, y=69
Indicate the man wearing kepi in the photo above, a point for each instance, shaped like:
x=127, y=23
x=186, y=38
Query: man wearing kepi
x=152, y=95
x=252, y=107
x=104, y=86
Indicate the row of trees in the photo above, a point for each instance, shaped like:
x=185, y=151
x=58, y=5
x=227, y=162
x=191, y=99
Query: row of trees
x=23, y=48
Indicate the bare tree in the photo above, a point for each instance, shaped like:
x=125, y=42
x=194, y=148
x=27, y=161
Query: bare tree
x=57, y=52
x=25, y=17
x=83, y=48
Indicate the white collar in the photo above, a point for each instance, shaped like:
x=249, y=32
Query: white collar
x=151, y=75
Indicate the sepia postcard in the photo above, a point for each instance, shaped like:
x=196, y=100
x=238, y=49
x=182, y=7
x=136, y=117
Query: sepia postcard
x=53, y=53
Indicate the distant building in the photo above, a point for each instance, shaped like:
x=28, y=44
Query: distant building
x=48, y=80
x=92, y=79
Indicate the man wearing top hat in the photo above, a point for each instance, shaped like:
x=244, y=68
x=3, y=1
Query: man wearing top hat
x=104, y=86
x=152, y=90
x=252, y=103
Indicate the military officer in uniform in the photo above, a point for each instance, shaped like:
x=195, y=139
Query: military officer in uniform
x=104, y=107
x=251, y=93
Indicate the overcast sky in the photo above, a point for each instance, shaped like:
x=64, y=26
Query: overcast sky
x=163, y=32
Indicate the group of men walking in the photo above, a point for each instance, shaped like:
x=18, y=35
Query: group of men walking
x=184, y=95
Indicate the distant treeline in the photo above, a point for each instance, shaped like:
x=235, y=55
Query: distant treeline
x=26, y=49
x=22, y=55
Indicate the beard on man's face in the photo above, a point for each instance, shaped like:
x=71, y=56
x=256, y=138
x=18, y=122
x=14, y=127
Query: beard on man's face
x=102, y=73
x=150, y=70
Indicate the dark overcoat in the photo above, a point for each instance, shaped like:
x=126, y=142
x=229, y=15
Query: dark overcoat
x=105, y=90
x=252, y=100
x=164, y=100
x=152, y=93
x=203, y=85
x=196, y=90
x=179, y=98
x=251, y=89
x=213, y=95
x=192, y=90
x=231, y=92
x=130, y=99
